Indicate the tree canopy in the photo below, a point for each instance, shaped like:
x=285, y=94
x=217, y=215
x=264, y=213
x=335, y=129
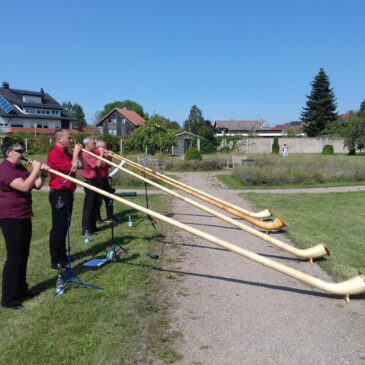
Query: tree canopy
x=154, y=135
x=195, y=120
x=321, y=106
x=355, y=138
x=127, y=104
x=78, y=113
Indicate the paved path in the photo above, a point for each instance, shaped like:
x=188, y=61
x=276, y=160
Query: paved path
x=230, y=310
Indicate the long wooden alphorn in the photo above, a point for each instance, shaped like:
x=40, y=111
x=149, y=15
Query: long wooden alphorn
x=267, y=226
x=220, y=203
x=245, y=215
x=355, y=285
x=310, y=253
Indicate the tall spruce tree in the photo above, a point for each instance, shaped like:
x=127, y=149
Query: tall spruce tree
x=321, y=106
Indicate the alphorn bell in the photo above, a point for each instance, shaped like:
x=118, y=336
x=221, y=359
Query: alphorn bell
x=355, y=285
x=193, y=191
x=275, y=225
x=310, y=253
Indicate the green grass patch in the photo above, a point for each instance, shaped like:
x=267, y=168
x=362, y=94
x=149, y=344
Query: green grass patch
x=87, y=326
x=334, y=218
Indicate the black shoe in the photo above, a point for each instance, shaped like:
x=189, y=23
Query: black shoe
x=60, y=266
x=31, y=294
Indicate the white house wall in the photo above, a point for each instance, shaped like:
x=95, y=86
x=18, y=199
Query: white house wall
x=295, y=145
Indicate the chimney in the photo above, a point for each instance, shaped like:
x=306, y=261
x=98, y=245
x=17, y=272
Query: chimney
x=5, y=85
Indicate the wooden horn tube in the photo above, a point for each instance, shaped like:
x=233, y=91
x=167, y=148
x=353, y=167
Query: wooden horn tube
x=355, y=285
x=267, y=226
x=310, y=253
x=189, y=189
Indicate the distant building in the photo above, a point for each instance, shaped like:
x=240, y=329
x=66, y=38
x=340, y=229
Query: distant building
x=185, y=141
x=240, y=127
x=120, y=122
x=24, y=111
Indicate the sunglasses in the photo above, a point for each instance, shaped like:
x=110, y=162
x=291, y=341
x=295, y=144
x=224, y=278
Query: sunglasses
x=19, y=150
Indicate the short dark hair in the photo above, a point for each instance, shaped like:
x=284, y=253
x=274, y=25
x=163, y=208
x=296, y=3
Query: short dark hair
x=9, y=144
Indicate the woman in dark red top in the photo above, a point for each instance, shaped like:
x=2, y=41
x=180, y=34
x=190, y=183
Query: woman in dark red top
x=16, y=184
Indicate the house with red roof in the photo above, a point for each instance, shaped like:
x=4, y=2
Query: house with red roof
x=120, y=122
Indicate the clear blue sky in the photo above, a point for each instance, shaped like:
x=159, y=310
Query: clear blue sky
x=234, y=59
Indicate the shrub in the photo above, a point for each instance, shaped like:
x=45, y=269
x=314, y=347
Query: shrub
x=275, y=146
x=327, y=150
x=225, y=150
x=193, y=154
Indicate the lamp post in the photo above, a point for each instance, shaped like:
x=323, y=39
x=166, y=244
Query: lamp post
x=35, y=130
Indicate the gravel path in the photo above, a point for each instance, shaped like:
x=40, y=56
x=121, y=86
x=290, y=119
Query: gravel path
x=230, y=310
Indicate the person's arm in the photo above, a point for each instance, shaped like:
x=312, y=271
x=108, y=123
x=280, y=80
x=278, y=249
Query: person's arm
x=76, y=157
x=27, y=184
x=42, y=177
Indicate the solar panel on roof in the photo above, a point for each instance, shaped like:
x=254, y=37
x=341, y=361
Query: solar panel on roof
x=5, y=105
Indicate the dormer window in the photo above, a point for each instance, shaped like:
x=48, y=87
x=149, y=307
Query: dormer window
x=32, y=99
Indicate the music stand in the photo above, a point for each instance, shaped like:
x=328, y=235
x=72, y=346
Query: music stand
x=114, y=252
x=147, y=216
x=72, y=277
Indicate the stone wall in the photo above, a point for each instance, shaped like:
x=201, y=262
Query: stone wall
x=295, y=145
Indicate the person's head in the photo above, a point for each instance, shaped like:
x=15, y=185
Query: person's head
x=89, y=143
x=63, y=138
x=13, y=150
x=100, y=145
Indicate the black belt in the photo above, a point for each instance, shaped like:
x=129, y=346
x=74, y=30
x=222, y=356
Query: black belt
x=91, y=180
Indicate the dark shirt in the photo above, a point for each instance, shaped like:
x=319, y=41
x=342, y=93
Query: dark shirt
x=14, y=204
x=60, y=160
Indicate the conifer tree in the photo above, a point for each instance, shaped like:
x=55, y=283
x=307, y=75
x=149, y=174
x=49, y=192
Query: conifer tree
x=321, y=106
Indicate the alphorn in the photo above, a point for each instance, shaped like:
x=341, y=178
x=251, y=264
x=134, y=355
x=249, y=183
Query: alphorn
x=355, y=285
x=275, y=225
x=222, y=204
x=316, y=251
x=267, y=226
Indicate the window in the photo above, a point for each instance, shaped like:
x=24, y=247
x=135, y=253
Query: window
x=114, y=132
x=32, y=99
x=124, y=121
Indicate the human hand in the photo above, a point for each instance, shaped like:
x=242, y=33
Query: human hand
x=77, y=148
x=36, y=165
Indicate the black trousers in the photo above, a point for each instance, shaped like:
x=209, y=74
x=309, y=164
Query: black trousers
x=89, y=211
x=62, y=204
x=17, y=234
x=104, y=185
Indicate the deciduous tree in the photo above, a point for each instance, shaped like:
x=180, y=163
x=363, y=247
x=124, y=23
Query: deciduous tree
x=127, y=104
x=78, y=112
x=355, y=139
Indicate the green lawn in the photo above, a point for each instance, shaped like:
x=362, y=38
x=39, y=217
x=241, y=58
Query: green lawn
x=88, y=326
x=334, y=218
